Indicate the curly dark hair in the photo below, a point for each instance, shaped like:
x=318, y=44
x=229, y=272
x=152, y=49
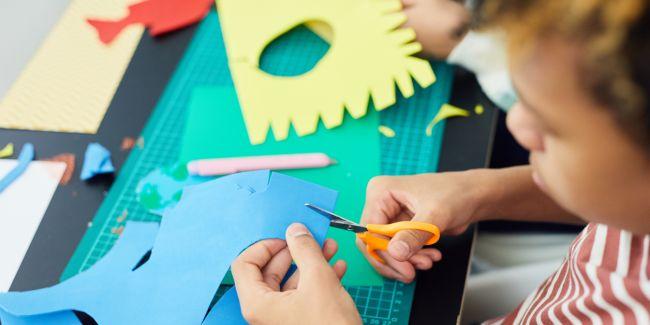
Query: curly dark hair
x=615, y=36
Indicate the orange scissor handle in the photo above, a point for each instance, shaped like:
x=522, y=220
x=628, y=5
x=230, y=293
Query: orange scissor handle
x=374, y=243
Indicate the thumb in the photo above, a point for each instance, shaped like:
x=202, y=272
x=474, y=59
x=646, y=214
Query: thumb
x=408, y=242
x=304, y=249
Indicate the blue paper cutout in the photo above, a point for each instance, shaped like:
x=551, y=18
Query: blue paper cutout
x=24, y=158
x=161, y=188
x=226, y=310
x=197, y=241
x=59, y=318
x=136, y=240
x=97, y=160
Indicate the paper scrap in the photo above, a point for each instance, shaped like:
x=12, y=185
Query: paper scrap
x=70, y=82
x=193, y=248
x=127, y=143
x=69, y=160
x=162, y=188
x=7, y=151
x=213, y=113
x=446, y=111
x=24, y=158
x=370, y=53
x=97, y=160
x=386, y=131
x=22, y=206
x=160, y=16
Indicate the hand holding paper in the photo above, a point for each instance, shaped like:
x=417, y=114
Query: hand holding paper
x=197, y=241
x=263, y=297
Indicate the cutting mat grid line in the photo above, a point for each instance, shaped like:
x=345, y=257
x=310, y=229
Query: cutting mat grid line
x=205, y=64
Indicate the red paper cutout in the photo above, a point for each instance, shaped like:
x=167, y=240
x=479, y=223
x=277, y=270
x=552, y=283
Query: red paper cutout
x=160, y=16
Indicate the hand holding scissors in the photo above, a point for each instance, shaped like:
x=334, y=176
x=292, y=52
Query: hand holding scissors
x=373, y=235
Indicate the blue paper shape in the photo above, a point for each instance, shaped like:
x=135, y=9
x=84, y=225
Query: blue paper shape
x=24, y=158
x=161, y=189
x=226, y=311
x=197, y=241
x=134, y=243
x=58, y=318
x=97, y=160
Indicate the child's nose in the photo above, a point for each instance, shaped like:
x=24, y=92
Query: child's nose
x=522, y=125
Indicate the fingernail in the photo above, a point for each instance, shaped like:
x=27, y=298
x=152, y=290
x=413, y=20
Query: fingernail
x=297, y=230
x=399, y=249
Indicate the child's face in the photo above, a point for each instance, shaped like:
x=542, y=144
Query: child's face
x=580, y=156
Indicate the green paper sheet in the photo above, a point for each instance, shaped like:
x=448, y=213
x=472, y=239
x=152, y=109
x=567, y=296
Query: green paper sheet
x=215, y=129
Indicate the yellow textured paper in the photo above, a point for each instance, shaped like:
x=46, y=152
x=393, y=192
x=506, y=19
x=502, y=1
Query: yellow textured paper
x=369, y=54
x=70, y=81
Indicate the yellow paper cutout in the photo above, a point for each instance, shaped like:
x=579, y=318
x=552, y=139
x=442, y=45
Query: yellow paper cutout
x=369, y=54
x=7, y=151
x=478, y=109
x=446, y=111
x=71, y=80
x=386, y=131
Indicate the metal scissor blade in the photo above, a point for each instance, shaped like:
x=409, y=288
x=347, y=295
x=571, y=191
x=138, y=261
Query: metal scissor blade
x=348, y=226
x=337, y=221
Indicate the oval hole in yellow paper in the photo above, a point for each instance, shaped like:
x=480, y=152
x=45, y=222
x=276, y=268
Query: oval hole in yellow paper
x=275, y=54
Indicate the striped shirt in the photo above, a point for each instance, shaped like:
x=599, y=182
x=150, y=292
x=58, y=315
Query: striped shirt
x=603, y=280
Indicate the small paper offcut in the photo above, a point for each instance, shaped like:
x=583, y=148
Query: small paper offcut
x=70, y=82
x=7, y=151
x=446, y=111
x=386, y=131
x=370, y=53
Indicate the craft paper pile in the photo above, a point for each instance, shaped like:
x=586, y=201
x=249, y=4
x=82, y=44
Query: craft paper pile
x=369, y=54
x=189, y=254
x=215, y=129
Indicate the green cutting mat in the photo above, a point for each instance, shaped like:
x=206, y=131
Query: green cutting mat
x=205, y=64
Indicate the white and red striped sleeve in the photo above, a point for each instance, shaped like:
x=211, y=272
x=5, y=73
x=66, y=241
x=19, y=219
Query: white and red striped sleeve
x=603, y=280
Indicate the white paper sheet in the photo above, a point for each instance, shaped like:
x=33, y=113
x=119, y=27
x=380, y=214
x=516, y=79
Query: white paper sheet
x=22, y=206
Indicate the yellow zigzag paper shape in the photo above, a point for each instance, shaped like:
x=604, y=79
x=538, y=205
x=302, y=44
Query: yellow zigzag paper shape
x=369, y=53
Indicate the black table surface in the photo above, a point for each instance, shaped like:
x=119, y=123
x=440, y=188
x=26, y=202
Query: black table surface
x=466, y=144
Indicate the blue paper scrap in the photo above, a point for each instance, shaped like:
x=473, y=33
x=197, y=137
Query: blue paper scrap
x=136, y=240
x=226, y=310
x=162, y=188
x=197, y=241
x=58, y=318
x=24, y=158
x=97, y=160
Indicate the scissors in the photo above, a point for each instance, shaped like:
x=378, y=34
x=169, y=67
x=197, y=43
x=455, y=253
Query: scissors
x=368, y=233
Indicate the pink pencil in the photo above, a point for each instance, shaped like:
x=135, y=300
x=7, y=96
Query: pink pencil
x=224, y=166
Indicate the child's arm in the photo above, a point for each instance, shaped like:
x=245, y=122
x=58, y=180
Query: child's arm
x=451, y=201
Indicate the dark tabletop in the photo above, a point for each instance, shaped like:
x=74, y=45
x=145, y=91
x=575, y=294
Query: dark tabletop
x=466, y=144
